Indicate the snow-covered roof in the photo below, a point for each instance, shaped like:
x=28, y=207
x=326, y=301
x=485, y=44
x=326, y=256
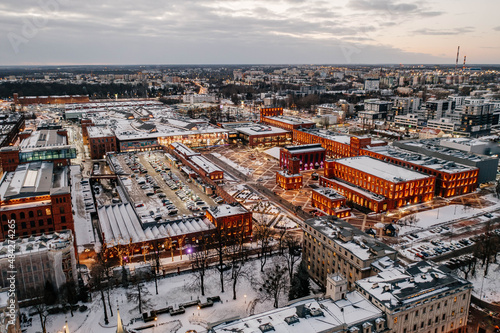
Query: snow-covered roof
x=204, y=164
x=227, y=210
x=329, y=193
x=430, y=162
x=291, y=120
x=43, y=138
x=27, y=245
x=121, y=225
x=380, y=169
x=257, y=129
x=310, y=315
x=31, y=179
x=397, y=286
x=99, y=132
x=308, y=148
x=349, y=237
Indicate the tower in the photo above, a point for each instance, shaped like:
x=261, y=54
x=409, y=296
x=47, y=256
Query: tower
x=336, y=286
x=294, y=167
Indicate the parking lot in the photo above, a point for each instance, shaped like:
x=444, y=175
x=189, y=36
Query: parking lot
x=159, y=190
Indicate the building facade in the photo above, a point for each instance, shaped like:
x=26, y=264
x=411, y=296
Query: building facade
x=40, y=259
x=101, y=141
x=330, y=202
x=37, y=197
x=419, y=298
x=43, y=145
x=311, y=156
x=375, y=184
x=333, y=246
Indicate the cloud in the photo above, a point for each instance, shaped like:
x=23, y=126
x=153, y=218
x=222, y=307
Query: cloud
x=497, y=28
x=392, y=7
x=446, y=32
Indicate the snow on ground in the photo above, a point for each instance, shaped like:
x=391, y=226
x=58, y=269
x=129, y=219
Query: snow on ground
x=273, y=152
x=487, y=288
x=172, y=291
x=430, y=218
x=236, y=166
x=84, y=233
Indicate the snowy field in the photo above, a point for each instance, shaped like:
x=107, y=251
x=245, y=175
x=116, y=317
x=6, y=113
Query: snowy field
x=489, y=286
x=442, y=215
x=172, y=291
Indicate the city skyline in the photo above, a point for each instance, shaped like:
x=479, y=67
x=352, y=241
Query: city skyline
x=53, y=32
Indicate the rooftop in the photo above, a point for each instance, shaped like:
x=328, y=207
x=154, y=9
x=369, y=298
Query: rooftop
x=43, y=138
x=99, y=132
x=298, y=149
x=34, y=179
x=310, y=315
x=291, y=120
x=380, y=169
x=349, y=237
x=398, y=286
x=227, y=210
x=27, y=245
x=421, y=159
x=120, y=225
x=329, y=193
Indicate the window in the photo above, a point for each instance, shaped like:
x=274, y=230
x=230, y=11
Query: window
x=61, y=210
x=30, y=213
x=40, y=223
x=23, y=225
x=395, y=320
x=22, y=215
x=39, y=212
x=63, y=219
x=32, y=223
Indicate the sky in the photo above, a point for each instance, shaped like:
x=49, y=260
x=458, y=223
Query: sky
x=125, y=32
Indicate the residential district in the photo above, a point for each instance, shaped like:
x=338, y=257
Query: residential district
x=250, y=199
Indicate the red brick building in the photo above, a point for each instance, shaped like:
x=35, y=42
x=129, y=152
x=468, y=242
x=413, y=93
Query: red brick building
x=288, y=123
x=197, y=162
x=232, y=219
x=330, y=202
x=310, y=156
x=66, y=99
x=337, y=146
x=101, y=141
x=270, y=112
x=290, y=178
x=451, y=178
x=42, y=145
x=257, y=135
x=377, y=185
x=37, y=197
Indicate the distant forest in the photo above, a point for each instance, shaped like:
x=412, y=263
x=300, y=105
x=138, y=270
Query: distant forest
x=95, y=91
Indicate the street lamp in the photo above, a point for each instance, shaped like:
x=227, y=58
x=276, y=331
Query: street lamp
x=245, y=298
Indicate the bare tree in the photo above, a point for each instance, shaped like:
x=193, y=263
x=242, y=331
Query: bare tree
x=220, y=242
x=138, y=294
x=469, y=267
x=486, y=249
x=274, y=284
x=263, y=233
x=292, y=253
x=237, y=256
x=199, y=259
x=98, y=275
x=41, y=309
x=68, y=294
